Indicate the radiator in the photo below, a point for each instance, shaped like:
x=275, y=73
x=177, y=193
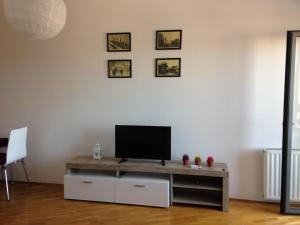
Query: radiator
x=272, y=175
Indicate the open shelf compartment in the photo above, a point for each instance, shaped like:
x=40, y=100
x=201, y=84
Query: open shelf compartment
x=91, y=173
x=198, y=182
x=198, y=197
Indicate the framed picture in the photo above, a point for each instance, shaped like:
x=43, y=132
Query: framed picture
x=120, y=68
x=118, y=42
x=168, y=67
x=168, y=39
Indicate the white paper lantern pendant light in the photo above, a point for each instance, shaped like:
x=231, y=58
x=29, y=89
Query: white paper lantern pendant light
x=39, y=19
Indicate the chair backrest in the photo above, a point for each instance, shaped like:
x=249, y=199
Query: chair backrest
x=16, y=148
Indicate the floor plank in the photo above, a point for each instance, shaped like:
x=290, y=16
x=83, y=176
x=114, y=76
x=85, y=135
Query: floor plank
x=43, y=204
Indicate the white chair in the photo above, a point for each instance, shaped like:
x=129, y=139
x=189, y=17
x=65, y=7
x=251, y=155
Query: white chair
x=16, y=151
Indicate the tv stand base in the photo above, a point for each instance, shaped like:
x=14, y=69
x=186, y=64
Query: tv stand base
x=147, y=183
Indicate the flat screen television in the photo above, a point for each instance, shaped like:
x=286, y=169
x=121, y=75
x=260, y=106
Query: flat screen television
x=143, y=142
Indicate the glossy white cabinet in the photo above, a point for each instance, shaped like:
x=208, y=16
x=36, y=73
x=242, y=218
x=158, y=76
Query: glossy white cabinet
x=87, y=187
x=142, y=191
x=137, y=190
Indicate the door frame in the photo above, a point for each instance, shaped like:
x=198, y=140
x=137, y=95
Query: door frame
x=285, y=207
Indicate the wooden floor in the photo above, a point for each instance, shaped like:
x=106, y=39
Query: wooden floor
x=42, y=204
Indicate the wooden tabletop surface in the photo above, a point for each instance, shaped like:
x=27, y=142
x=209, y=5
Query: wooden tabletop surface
x=171, y=167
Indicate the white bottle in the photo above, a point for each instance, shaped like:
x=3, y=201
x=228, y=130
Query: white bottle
x=97, y=152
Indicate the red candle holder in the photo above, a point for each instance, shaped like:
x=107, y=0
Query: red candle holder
x=210, y=161
x=185, y=159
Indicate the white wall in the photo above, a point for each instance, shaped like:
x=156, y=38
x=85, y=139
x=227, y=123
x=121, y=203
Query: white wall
x=227, y=103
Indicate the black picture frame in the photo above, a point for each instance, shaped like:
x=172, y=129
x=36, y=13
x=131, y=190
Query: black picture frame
x=119, y=71
x=161, y=39
x=164, y=70
x=118, y=46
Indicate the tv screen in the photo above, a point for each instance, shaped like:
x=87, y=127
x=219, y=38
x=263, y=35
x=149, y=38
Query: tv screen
x=143, y=142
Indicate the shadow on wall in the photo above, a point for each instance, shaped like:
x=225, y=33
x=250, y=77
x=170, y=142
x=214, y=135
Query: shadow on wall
x=251, y=172
x=258, y=107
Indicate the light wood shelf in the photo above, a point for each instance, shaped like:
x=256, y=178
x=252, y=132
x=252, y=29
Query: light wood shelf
x=185, y=200
x=196, y=186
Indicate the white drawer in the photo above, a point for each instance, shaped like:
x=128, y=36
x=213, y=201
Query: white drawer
x=142, y=192
x=90, y=188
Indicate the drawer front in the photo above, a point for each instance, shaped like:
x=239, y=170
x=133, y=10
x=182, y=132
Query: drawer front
x=89, y=188
x=142, y=193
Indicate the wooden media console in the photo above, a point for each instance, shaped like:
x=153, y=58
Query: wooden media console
x=146, y=182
